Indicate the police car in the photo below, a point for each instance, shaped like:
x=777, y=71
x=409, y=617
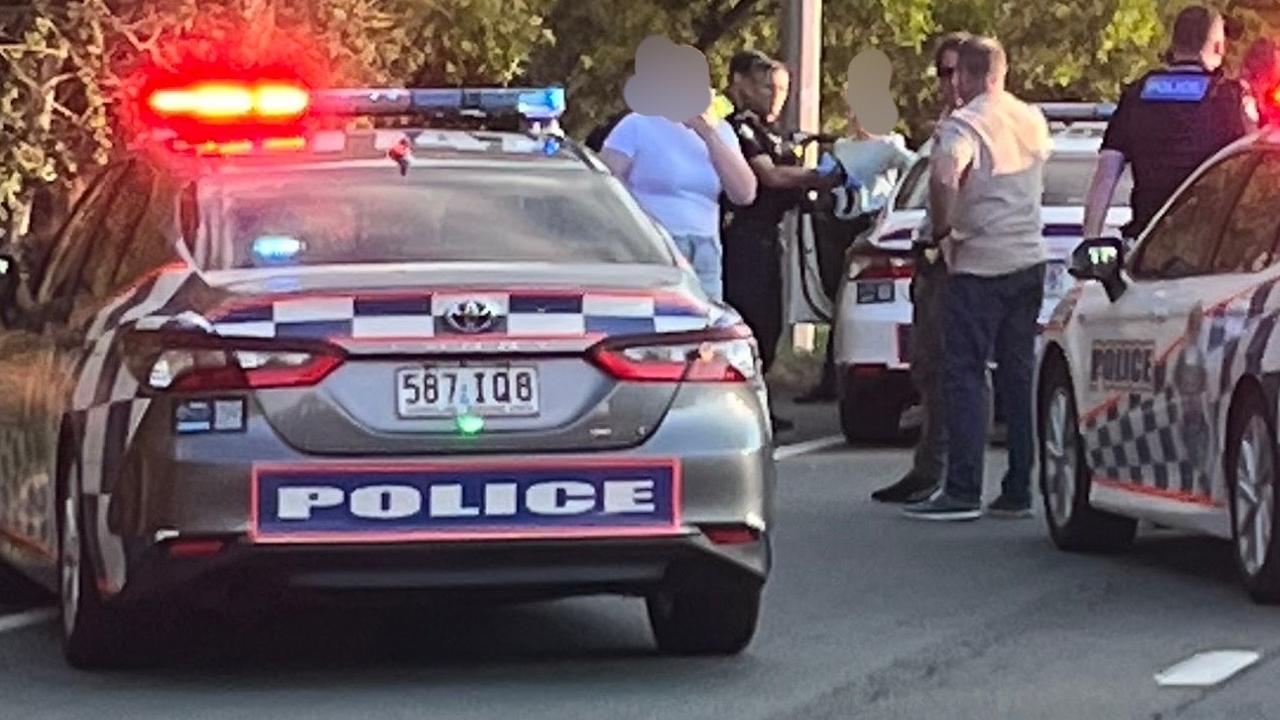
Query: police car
x=873, y=321
x=273, y=354
x=1157, y=391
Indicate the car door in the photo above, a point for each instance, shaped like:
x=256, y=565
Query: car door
x=36, y=351
x=1146, y=437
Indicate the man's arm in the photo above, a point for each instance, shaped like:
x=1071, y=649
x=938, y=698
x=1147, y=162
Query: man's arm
x=947, y=166
x=782, y=177
x=1101, y=191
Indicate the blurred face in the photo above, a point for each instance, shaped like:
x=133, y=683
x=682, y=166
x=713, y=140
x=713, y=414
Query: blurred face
x=946, y=78
x=1216, y=46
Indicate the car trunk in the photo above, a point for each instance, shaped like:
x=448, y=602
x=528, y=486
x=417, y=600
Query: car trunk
x=414, y=383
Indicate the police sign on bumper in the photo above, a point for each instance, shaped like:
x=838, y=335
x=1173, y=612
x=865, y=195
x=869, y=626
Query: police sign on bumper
x=387, y=503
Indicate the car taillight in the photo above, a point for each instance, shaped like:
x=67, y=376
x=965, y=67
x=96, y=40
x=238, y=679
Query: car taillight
x=726, y=355
x=895, y=268
x=183, y=362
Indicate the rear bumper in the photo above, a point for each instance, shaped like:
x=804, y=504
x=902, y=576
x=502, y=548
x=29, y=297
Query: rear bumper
x=873, y=333
x=242, y=573
x=200, y=488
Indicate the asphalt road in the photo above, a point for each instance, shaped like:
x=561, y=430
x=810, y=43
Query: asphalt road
x=868, y=616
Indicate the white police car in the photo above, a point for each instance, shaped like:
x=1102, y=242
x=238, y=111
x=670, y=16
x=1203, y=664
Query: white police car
x=873, y=322
x=1158, y=387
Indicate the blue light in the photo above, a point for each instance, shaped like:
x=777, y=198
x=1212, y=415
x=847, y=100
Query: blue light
x=277, y=248
x=547, y=104
x=531, y=103
x=551, y=146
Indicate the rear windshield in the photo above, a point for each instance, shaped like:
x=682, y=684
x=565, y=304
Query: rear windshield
x=435, y=214
x=1066, y=182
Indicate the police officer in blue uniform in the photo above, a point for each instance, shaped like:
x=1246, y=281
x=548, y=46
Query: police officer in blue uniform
x=1170, y=121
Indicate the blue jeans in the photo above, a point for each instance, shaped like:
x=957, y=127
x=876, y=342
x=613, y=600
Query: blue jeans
x=705, y=254
x=990, y=318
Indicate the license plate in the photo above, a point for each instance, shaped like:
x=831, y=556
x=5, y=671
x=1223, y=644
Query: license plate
x=440, y=501
x=1055, y=279
x=427, y=392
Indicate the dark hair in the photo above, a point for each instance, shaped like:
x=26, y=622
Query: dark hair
x=950, y=42
x=981, y=57
x=750, y=62
x=1191, y=29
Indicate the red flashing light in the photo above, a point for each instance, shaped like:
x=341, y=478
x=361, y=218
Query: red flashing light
x=232, y=102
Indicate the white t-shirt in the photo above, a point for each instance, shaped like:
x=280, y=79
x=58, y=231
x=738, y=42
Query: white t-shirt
x=671, y=172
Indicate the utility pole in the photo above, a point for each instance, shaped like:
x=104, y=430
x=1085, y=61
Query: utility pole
x=802, y=46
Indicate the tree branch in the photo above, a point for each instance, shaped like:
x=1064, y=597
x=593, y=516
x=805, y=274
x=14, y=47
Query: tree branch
x=716, y=23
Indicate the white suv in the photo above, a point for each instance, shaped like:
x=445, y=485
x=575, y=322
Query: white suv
x=872, y=331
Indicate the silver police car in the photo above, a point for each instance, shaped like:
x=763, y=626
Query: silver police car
x=451, y=358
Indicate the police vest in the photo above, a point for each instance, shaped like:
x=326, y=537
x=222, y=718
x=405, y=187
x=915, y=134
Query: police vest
x=1170, y=121
x=771, y=204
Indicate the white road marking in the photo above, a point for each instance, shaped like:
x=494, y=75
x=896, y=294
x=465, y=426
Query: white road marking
x=1207, y=668
x=789, y=451
x=28, y=618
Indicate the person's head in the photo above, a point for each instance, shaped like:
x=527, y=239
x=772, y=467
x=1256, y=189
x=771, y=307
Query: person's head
x=981, y=67
x=1199, y=36
x=750, y=81
x=945, y=56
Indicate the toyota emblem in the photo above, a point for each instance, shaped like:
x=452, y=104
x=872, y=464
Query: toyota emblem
x=471, y=316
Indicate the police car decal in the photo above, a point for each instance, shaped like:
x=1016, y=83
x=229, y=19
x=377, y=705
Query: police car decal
x=1165, y=440
x=1122, y=365
x=326, y=503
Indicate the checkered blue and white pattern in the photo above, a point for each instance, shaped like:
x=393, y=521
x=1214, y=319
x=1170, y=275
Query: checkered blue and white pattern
x=514, y=315
x=1142, y=442
x=1147, y=440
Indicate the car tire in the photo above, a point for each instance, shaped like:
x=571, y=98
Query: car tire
x=1065, y=479
x=95, y=636
x=870, y=414
x=705, y=619
x=1251, y=465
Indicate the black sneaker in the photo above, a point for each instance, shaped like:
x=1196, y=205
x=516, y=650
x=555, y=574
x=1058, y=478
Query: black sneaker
x=943, y=509
x=909, y=490
x=1003, y=507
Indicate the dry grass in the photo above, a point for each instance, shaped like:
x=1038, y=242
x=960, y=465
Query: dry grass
x=796, y=370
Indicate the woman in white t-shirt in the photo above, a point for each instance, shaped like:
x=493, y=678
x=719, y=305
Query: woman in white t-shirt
x=676, y=171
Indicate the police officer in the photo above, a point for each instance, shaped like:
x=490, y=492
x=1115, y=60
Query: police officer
x=1170, y=121
x=758, y=88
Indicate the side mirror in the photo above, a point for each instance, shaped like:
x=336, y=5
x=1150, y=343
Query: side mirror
x=1100, y=259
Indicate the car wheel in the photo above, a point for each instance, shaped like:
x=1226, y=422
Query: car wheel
x=870, y=414
x=1251, y=475
x=94, y=635
x=1065, y=478
x=707, y=620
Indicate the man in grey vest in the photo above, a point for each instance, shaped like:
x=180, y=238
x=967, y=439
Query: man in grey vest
x=986, y=180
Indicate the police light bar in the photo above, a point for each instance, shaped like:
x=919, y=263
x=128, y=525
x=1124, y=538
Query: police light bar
x=530, y=103
x=1080, y=112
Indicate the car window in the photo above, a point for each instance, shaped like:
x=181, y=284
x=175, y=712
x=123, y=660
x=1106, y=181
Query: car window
x=434, y=215
x=1066, y=183
x=1249, y=241
x=152, y=240
x=1183, y=240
